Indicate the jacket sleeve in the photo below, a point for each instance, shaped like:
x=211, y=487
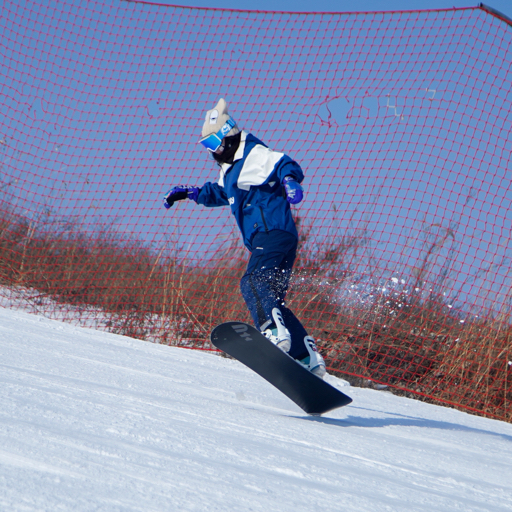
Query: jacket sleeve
x=212, y=194
x=261, y=165
x=288, y=167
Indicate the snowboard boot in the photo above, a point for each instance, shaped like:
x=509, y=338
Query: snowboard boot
x=314, y=362
x=277, y=332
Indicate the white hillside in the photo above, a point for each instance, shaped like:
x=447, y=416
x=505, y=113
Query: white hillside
x=95, y=421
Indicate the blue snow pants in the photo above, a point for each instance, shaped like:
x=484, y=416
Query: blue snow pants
x=265, y=284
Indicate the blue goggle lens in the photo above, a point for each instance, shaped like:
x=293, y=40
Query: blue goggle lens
x=213, y=141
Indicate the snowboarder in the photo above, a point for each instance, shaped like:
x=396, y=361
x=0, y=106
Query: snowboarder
x=259, y=185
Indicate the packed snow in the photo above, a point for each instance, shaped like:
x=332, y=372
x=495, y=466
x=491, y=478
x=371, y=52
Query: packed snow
x=96, y=421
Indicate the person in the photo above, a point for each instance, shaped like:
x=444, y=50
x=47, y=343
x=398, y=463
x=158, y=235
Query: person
x=259, y=185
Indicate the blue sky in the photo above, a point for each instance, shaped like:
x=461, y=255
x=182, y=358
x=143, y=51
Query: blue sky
x=504, y=6
x=402, y=123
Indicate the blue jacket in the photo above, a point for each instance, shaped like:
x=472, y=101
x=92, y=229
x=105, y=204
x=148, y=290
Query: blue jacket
x=251, y=185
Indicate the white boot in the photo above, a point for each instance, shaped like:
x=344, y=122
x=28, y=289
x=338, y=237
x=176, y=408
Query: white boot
x=278, y=334
x=314, y=362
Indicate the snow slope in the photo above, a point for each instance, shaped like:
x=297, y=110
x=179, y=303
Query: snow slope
x=95, y=421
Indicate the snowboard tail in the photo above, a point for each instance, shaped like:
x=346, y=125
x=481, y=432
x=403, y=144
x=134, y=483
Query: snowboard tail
x=245, y=343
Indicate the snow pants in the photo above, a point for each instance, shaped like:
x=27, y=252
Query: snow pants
x=265, y=284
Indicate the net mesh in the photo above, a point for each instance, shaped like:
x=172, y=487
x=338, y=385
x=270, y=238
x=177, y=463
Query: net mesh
x=400, y=120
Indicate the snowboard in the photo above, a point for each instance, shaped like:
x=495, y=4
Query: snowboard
x=245, y=343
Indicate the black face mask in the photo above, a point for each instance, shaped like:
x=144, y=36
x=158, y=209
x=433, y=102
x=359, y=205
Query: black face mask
x=230, y=146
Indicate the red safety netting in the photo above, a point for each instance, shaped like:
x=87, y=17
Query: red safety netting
x=400, y=120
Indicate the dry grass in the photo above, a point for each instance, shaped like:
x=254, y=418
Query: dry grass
x=416, y=346
x=143, y=291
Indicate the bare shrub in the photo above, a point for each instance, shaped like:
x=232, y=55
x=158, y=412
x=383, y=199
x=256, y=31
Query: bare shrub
x=412, y=343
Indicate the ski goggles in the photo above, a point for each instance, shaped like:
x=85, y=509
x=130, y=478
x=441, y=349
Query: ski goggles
x=213, y=141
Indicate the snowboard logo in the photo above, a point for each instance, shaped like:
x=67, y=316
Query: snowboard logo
x=241, y=330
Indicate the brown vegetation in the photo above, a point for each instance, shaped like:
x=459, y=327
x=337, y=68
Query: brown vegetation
x=412, y=345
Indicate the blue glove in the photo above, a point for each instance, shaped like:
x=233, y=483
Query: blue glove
x=293, y=189
x=179, y=193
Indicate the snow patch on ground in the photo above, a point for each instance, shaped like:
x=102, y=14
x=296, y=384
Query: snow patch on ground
x=96, y=421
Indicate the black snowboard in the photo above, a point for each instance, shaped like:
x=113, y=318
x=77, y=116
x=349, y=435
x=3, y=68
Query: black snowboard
x=250, y=347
